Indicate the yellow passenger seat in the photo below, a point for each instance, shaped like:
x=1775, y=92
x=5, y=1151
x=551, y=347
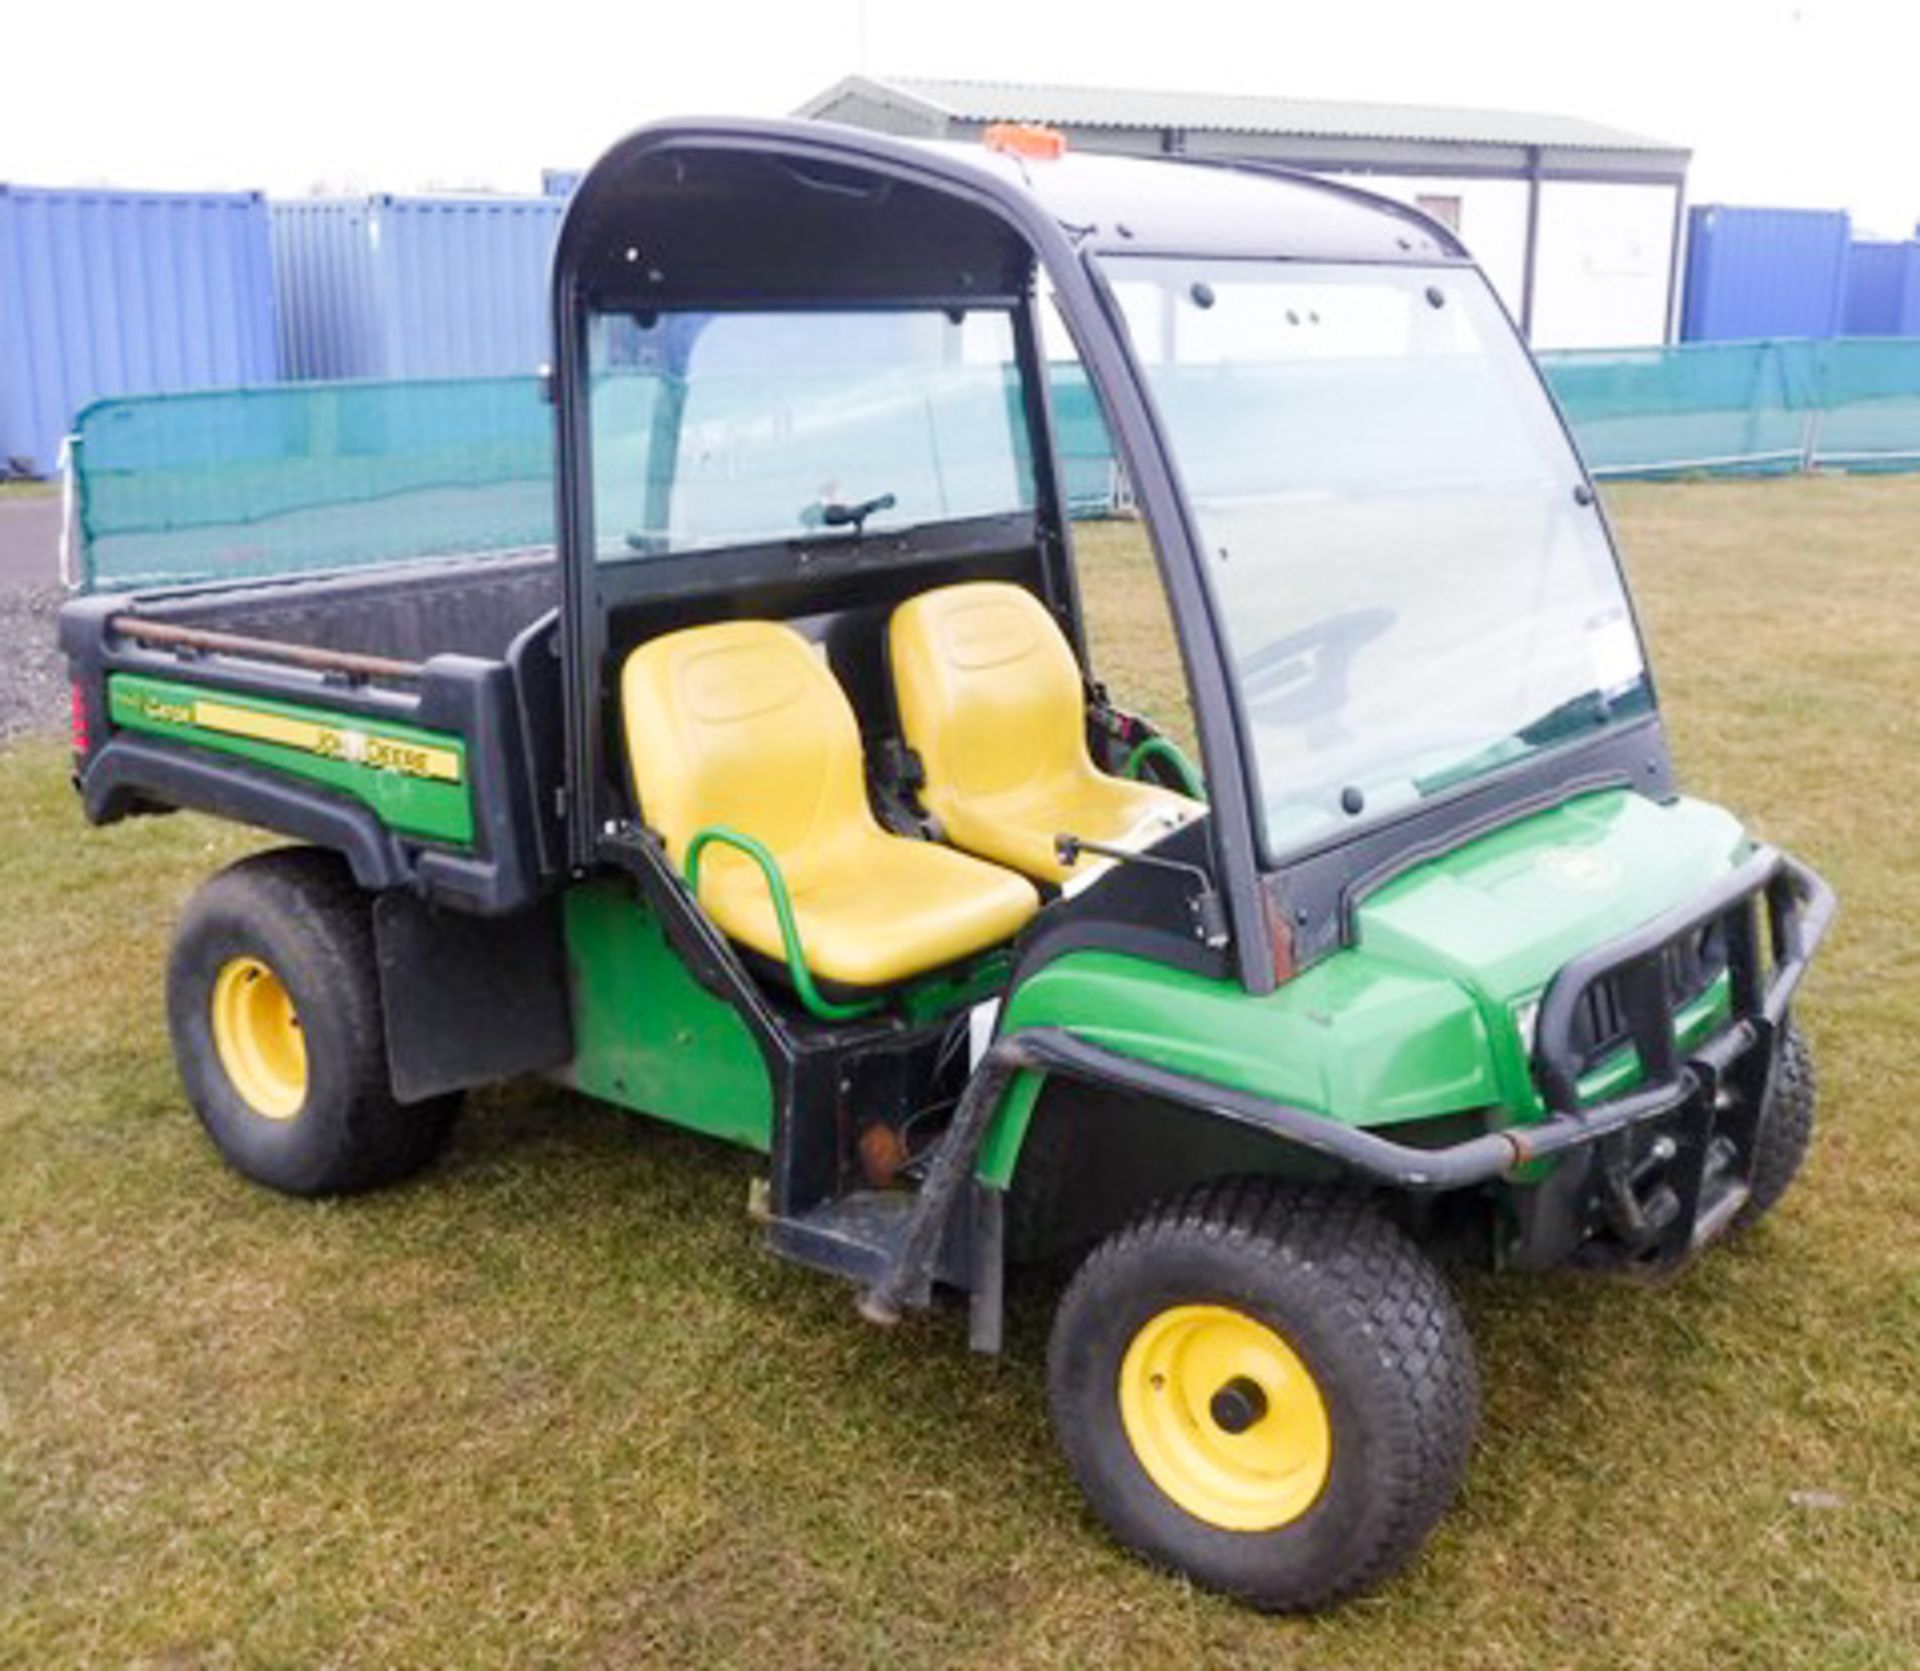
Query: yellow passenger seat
x=741, y=725
x=991, y=700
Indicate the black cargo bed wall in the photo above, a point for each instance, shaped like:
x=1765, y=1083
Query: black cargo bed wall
x=473, y=608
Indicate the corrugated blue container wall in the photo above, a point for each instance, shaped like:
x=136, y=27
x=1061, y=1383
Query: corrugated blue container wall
x=414, y=286
x=1883, y=289
x=1764, y=273
x=120, y=292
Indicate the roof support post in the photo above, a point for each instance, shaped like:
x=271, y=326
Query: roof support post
x=1530, y=267
x=1675, y=251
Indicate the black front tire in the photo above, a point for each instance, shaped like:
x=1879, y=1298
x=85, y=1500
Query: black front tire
x=297, y=914
x=1357, y=1303
x=1786, y=1127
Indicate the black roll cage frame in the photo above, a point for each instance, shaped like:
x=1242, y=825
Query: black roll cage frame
x=1278, y=918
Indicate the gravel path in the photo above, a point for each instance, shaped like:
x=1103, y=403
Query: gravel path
x=33, y=675
x=29, y=540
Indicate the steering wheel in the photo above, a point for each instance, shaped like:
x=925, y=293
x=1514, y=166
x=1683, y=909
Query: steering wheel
x=1302, y=678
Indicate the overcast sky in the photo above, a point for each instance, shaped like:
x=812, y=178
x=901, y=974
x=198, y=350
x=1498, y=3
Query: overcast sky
x=1810, y=102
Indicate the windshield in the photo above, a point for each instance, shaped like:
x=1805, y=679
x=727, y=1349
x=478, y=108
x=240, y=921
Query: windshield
x=1413, y=591
x=725, y=429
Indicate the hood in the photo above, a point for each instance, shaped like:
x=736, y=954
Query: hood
x=1501, y=914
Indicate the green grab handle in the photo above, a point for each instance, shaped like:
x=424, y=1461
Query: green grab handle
x=797, y=971
x=1163, y=748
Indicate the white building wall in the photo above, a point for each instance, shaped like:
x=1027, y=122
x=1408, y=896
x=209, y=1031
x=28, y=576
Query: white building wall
x=1604, y=258
x=1602, y=263
x=1493, y=219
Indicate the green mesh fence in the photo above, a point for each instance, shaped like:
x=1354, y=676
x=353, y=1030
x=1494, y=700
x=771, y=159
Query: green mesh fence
x=321, y=476
x=1090, y=474
x=234, y=483
x=1743, y=407
x=1734, y=408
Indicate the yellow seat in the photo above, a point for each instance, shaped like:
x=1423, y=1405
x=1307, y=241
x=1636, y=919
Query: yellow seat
x=740, y=724
x=991, y=700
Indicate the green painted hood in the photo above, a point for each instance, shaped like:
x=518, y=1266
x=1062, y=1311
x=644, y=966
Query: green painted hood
x=1415, y=1019
x=1501, y=914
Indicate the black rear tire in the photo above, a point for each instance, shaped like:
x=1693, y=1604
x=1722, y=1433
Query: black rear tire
x=296, y=917
x=1786, y=1127
x=1355, y=1302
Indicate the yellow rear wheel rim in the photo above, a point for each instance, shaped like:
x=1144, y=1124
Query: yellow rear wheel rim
x=256, y=1034
x=1225, y=1418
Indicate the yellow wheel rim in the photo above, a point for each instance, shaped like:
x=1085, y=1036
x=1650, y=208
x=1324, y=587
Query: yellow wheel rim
x=258, y=1039
x=1225, y=1418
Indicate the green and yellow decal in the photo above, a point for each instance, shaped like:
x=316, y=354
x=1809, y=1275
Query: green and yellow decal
x=415, y=780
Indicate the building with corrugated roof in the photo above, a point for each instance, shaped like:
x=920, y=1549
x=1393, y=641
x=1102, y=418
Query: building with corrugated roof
x=1578, y=225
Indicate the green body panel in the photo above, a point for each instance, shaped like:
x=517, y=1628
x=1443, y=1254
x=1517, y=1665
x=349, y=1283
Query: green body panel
x=647, y=1035
x=414, y=780
x=1417, y=1017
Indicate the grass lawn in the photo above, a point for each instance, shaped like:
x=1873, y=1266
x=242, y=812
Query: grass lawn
x=553, y=1403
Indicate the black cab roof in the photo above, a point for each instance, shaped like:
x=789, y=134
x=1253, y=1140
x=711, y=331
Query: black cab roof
x=730, y=211
x=1177, y=206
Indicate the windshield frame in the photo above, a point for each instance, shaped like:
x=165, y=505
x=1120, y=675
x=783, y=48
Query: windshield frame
x=1319, y=881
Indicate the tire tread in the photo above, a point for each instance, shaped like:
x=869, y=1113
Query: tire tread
x=1786, y=1127
x=1391, y=1292
x=377, y=1140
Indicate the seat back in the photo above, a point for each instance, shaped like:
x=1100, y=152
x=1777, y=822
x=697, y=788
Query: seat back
x=739, y=723
x=990, y=696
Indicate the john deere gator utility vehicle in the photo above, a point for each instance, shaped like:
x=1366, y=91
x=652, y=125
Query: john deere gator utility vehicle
x=784, y=803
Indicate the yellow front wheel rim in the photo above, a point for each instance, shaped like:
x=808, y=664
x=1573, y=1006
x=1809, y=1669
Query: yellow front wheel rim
x=1225, y=1418
x=256, y=1034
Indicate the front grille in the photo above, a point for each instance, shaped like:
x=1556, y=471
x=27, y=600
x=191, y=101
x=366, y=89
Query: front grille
x=1693, y=964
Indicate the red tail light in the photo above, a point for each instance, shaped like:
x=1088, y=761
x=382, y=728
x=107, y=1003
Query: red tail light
x=82, y=720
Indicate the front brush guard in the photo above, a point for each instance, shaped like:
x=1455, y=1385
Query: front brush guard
x=1710, y=1100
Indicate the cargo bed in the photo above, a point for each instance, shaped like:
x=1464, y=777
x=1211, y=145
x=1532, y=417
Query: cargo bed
x=407, y=716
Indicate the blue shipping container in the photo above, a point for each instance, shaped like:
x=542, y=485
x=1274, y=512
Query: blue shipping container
x=1883, y=289
x=107, y=293
x=559, y=182
x=406, y=287
x=1764, y=273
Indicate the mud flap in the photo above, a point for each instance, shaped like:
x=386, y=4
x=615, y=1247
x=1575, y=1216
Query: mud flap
x=466, y=999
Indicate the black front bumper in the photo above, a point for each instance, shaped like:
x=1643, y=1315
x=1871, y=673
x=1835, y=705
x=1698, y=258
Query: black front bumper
x=1666, y=1167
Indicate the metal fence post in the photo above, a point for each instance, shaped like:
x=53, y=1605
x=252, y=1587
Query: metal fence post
x=1817, y=354
x=69, y=447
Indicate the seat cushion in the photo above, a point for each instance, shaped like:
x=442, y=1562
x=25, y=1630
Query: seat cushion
x=740, y=724
x=894, y=908
x=1019, y=830
x=992, y=701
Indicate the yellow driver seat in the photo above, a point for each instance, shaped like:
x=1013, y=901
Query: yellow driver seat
x=741, y=724
x=991, y=700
